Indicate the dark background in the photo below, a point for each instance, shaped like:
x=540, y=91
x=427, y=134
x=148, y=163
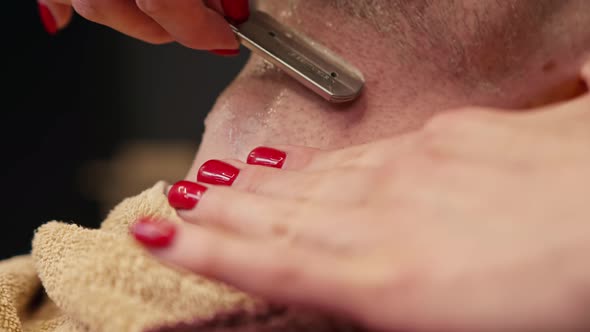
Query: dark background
x=79, y=96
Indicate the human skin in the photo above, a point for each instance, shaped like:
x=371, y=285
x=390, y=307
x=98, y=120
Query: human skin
x=520, y=55
x=195, y=24
x=455, y=252
x=406, y=85
x=418, y=57
x=477, y=222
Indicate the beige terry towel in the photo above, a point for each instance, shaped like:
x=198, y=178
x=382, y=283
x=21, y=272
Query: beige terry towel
x=81, y=279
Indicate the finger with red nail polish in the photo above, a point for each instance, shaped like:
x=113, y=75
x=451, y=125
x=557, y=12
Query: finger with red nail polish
x=237, y=11
x=256, y=265
x=299, y=157
x=153, y=233
x=218, y=173
x=269, y=157
x=195, y=24
x=185, y=195
x=192, y=23
x=228, y=53
x=54, y=16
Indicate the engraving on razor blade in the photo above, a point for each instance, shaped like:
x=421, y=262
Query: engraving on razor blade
x=325, y=76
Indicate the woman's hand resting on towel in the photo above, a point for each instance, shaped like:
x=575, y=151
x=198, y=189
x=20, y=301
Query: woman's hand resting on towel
x=197, y=24
x=478, y=222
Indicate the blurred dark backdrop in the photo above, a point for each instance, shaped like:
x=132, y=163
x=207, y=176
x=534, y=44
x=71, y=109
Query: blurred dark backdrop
x=75, y=103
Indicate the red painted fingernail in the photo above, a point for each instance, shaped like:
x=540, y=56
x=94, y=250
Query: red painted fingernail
x=185, y=195
x=217, y=172
x=47, y=19
x=268, y=157
x=237, y=11
x=226, y=52
x=153, y=233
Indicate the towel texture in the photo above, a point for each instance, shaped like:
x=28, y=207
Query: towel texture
x=81, y=279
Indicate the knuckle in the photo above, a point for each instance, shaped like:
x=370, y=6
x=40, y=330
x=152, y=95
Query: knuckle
x=433, y=143
x=446, y=131
x=401, y=282
x=89, y=9
x=251, y=179
x=208, y=259
x=209, y=209
x=355, y=155
x=290, y=213
x=455, y=119
x=298, y=157
x=151, y=7
x=158, y=38
x=284, y=273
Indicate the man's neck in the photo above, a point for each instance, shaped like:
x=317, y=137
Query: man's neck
x=412, y=71
x=487, y=53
